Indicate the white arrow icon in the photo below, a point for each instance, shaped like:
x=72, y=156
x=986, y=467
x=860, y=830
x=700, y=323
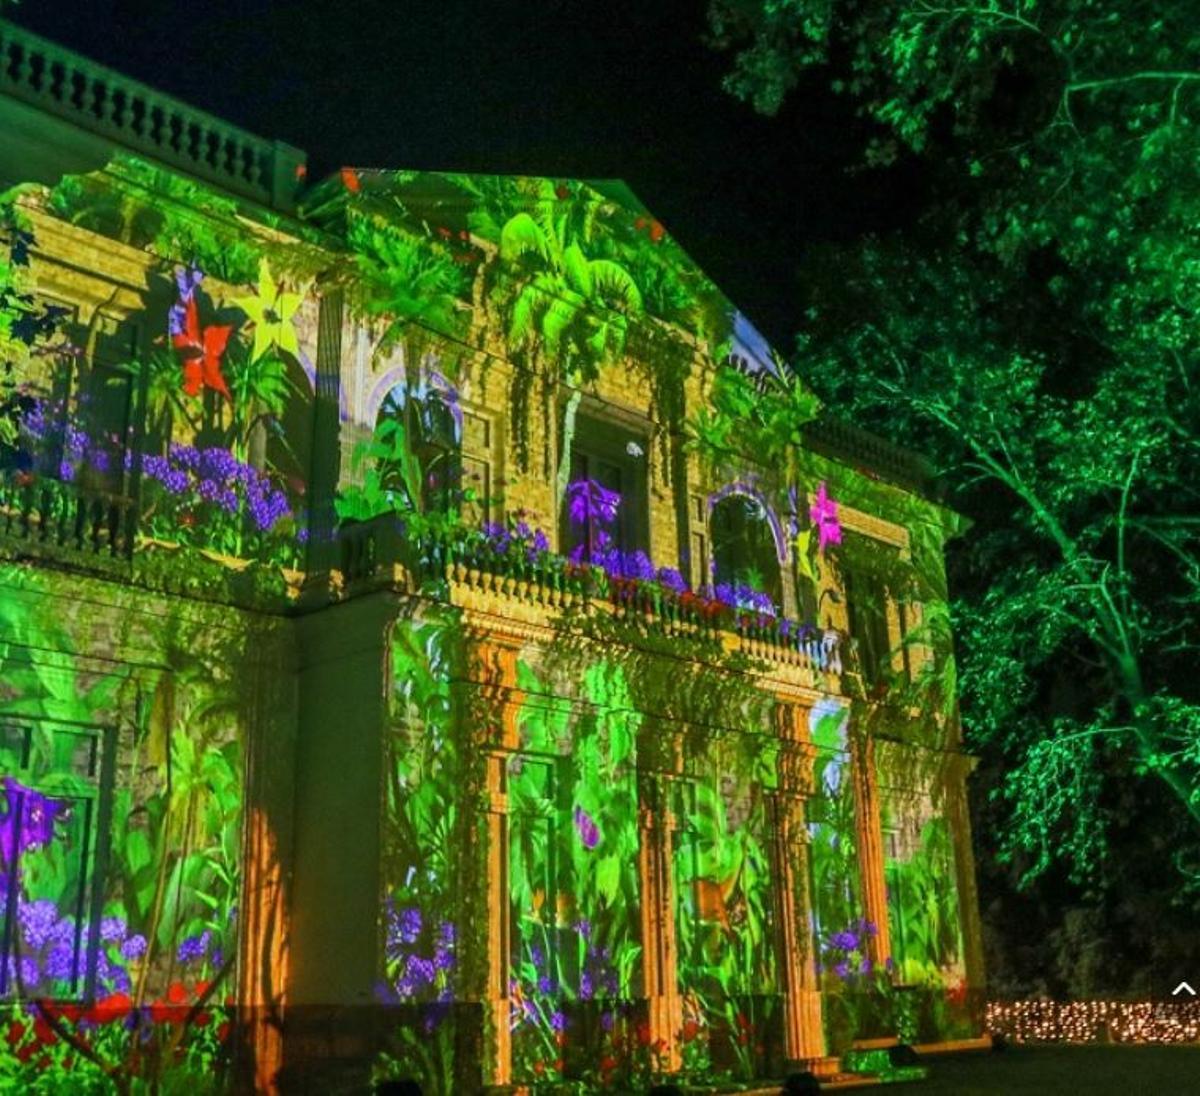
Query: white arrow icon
x=1180, y=988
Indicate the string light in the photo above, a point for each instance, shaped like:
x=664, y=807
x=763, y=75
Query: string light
x=1095, y=1021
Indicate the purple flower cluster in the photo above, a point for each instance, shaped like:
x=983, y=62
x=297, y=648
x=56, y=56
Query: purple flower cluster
x=516, y=536
x=38, y=814
x=535, y=1000
x=586, y=828
x=589, y=501
x=737, y=595
x=46, y=426
x=671, y=579
x=214, y=476
x=186, y=279
x=49, y=949
x=134, y=947
x=845, y=950
x=419, y=954
x=194, y=948
x=631, y=565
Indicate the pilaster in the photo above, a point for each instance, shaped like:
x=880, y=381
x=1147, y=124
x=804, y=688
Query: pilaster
x=656, y=826
x=869, y=843
x=958, y=815
x=804, y=1032
x=492, y=730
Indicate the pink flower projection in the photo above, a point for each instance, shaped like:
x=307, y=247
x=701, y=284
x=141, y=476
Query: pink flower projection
x=824, y=514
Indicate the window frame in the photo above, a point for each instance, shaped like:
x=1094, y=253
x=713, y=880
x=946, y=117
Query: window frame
x=603, y=439
x=90, y=905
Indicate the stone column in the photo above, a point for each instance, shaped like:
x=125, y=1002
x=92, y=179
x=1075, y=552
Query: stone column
x=498, y=1006
x=869, y=842
x=267, y=839
x=656, y=827
x=958, y=816
x=326, y=453
x=491, y=713
x=804, y=1032
x=343, y=677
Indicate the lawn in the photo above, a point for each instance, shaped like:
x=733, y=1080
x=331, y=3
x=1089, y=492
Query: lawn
x=1128, y=1070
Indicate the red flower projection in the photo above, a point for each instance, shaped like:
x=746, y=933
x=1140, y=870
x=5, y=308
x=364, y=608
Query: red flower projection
x=201, y=352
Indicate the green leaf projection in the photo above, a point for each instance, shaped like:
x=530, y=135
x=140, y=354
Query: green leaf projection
x=430, y=647
x=724, y=916
x=573, y=846
x=1037, y=332
x=119, y=906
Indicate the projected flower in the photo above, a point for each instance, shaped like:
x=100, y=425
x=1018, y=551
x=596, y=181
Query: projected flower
x=824, y=513
x=271, y=311
x=37, y=812
x=200, y=348
x=585, y=826
x=588, y=500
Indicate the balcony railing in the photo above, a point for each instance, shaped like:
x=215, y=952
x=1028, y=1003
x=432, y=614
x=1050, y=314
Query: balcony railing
x=50, y=516
x=146, y=121
x=368, y=552
x=86, y=529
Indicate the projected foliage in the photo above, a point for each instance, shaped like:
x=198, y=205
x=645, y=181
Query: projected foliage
x=116, y=975
x=1037, y=333
x=521, y=807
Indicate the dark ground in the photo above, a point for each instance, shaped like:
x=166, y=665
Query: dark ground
x=1074, y=1071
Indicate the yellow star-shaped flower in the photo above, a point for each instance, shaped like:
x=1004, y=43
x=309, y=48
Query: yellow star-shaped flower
x=803, y=560
x=272, y=311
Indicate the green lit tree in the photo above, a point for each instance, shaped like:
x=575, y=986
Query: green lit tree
x=1035, y=333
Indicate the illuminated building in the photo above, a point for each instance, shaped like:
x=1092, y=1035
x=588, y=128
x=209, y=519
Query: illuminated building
x=405, y=664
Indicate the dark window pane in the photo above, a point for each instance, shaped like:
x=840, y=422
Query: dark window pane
x=743, y=546
x=599, y=455
x=49, y=797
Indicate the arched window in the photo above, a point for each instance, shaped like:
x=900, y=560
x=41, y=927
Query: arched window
x=429, y=446
x=744, y=552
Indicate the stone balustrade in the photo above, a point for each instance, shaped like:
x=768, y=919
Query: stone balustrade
x=57, y=518
x=548, y=586
x=145, y=121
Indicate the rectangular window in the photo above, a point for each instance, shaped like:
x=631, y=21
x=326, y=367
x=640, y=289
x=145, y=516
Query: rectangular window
x=84, y=427
x=866, y=608
x=611, y=456
x=50, y=797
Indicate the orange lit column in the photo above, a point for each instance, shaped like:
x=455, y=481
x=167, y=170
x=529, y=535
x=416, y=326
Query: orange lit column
x=804, y=1034
x=869, y=841
x=661, y=986
x=498, y=1005
x=270, y=778
x=492, y=728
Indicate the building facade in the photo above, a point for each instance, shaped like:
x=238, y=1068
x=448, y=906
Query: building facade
x=439, y=638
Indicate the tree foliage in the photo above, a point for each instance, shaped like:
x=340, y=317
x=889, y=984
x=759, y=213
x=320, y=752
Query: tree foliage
x=1035, y=333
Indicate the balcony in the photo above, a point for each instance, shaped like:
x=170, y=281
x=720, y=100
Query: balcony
x=547, y=592
x=45, y=518
x=144, y=121
x=69, y=527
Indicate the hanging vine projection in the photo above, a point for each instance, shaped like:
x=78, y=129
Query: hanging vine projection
x=601, y=860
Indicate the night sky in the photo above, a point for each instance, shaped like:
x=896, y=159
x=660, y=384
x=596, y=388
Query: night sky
x=621, y=88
